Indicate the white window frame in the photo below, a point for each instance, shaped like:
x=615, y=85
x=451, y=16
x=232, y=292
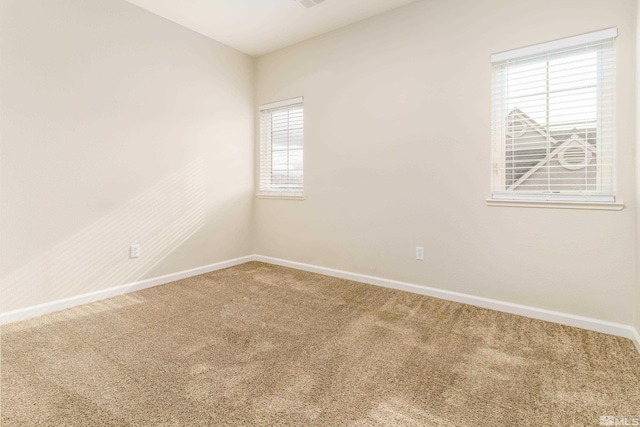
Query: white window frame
x=500, y=195
x=266, y=187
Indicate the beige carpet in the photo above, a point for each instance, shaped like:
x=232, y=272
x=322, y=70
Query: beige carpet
x=263, y=345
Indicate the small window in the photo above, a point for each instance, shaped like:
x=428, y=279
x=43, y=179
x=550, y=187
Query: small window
x=281, y=149
x=553, y=121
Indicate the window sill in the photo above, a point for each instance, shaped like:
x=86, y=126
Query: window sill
x=278, y=196
x=607, y=206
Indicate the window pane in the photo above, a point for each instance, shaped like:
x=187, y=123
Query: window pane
x=279, y=140
x=279, y=121
x=279, y=161
x=573, y=71
x=554, y=122
x=295, y=138
x=535, y=107
x=526, y=80
x=281, y=151
x=572, y=108
x=295, y=162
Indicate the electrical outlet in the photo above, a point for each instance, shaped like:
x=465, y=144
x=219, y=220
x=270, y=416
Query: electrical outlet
x=419, y=253
x=134, y=251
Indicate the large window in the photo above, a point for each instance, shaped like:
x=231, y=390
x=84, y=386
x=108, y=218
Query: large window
x=281, y=149
x=553, y=121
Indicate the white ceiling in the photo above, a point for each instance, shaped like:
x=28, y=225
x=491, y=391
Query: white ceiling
x=257, y=27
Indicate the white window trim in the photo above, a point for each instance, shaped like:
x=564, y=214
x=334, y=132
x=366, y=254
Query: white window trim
x=284, y=103
x=561, y=44
x=595, y=202
x=273, y=106
x=277, y=196
x=605, y=206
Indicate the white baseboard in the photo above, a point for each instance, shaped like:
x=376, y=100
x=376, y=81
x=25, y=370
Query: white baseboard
x=611, y=328
x=636, y=338
x=591, y=324
x=49, y=307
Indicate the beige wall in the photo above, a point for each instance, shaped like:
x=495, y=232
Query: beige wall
x=118, y=127
x=397, y=140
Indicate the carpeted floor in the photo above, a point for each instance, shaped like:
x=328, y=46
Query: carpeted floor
x=263, y=345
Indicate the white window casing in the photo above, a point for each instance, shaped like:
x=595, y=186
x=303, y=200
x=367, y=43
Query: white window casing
x=554, y=122
x=281, y=149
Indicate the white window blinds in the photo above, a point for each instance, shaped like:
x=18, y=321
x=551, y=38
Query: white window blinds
x=281, y=149
x=553, y=120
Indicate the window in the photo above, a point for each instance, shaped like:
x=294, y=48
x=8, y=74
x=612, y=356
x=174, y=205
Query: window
x=553, y=121
x=281, y=149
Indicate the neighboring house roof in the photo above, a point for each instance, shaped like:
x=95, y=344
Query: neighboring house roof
x=558, y=151
x=521, y=123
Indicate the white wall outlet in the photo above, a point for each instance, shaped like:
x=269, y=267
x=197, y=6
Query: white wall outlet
x=419, y=253
x=134, y=251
